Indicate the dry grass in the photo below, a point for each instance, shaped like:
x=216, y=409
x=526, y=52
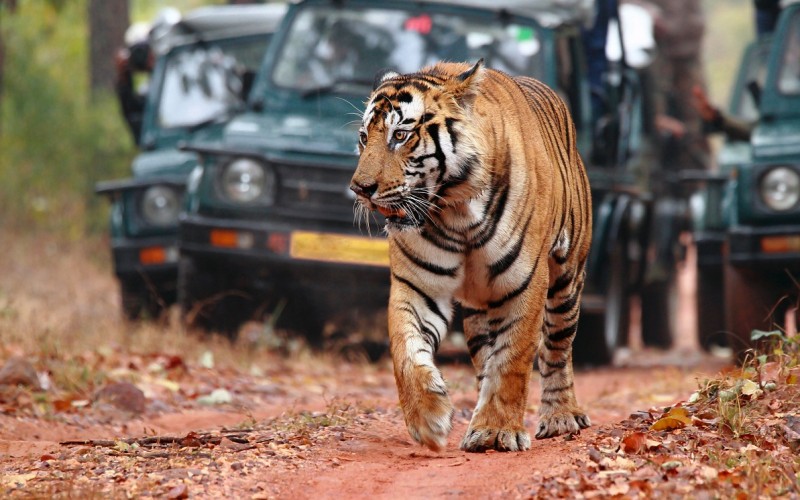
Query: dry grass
x=61, y=310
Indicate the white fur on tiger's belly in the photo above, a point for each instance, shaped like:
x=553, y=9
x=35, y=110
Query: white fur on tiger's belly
x=562, y=244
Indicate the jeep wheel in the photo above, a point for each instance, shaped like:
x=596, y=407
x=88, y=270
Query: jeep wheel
x=304, y=316
x=659, y=312
x=750, y=300
x=206, y=300
x=139, y=302
x=618, y=312
x=590, y=347
x=710, y=307
x=602, y=333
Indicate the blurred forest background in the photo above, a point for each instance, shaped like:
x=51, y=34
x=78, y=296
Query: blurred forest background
x=61, y=130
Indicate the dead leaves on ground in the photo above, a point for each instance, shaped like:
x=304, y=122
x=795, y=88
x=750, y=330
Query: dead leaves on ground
x=184, y=466
x=737, y=437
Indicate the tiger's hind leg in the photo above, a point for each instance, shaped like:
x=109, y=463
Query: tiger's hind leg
x=502, y=349
x=559, y=412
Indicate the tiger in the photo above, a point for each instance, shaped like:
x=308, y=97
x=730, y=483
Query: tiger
x=487, y=205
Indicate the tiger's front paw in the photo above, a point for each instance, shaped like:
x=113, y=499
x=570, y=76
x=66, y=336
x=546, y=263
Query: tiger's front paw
x=561, y=422
x=430, y=419
x=480, y=439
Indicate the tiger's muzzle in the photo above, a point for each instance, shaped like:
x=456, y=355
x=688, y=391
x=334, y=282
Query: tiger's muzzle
x=398, y=215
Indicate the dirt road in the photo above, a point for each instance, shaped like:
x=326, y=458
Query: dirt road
x=248, y=420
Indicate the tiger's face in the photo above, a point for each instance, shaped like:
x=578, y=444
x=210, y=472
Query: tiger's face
x=417, y=153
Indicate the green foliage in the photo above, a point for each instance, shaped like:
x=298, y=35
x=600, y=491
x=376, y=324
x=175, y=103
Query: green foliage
x=730, y=26
x=56, y=140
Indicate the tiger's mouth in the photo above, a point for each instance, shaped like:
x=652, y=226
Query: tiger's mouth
x=389, y=212
x=398, y=217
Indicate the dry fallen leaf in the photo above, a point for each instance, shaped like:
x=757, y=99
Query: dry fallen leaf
x=617, y=463
x=178, y=492
x=637, y=442
x=750, y=388
x=668, y=424
x=677, y=418
x=18, y=480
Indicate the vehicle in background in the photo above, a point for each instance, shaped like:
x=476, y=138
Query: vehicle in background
x=706, y=205
x=747, y=219
x=202, y=69
x=269, y=224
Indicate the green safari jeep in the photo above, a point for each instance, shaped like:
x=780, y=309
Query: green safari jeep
x=747, y=219
x=269, y=227
x=203, y=69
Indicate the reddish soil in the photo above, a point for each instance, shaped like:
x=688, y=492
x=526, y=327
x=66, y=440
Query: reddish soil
x=302, y=426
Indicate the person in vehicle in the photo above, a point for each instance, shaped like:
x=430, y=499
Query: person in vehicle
x=715, y=120
x=137, y=57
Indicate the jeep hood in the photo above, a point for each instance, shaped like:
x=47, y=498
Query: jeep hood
x=163, y=162
x=167, y=159
x=777, y=139
x=291, y=132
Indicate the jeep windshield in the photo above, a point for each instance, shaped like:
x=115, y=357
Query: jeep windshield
x=789, y=77
x=331, y=49
x=203, y=82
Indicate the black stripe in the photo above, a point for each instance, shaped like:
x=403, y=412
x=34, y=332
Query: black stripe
x=449, y=124
x=508, y=326
x=428, y=266
x=500, y=266
x=433, y=133
x=561, y=283
x=419, y=86
x=563, y=334
x=429, y=302
x=441, y=240
x=478, y=342
x=428, y=332
x=552, y=347
x=492, y=223
x=565, y=306
x=510, y=295
x=557, y=389
x=461, y=177
x=555, y=364
x=467, y=312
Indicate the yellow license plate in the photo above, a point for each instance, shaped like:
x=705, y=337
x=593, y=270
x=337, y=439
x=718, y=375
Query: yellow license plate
x=338, y=248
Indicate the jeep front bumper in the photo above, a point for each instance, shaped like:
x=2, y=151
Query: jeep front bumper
x=149, y=258
x=775, y=245
x=289, y=257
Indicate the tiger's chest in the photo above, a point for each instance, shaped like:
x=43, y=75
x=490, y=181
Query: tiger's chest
x=468, y=255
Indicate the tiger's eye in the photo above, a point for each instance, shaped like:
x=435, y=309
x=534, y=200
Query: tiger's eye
x=362, y=137
x=400, y=135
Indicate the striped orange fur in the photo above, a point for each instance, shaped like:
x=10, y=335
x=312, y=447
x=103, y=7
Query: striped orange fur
x=488, y=205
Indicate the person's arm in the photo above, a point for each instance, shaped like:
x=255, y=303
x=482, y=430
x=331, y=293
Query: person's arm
x=717, y=121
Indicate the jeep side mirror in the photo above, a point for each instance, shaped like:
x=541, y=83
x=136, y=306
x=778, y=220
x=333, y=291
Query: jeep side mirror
x=248, y=78
x=755, y=92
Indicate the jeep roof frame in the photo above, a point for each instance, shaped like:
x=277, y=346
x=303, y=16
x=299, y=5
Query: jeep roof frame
x=221, y=21
x=548, y=13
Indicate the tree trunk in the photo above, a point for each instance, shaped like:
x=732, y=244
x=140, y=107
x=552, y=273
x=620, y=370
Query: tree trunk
x=6, y=7
x=108, y=20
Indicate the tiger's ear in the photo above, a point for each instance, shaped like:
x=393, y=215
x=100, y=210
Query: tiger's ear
x=383, y=75
x=465, y=86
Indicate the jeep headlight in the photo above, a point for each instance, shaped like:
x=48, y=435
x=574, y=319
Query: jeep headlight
x=780, y=188
x=160, y=206
x=248, y=181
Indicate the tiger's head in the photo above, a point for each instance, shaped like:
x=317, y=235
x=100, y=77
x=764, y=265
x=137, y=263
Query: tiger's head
x=419, y=148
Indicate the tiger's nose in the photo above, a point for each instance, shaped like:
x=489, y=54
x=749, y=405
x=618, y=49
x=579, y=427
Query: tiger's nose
x=362, y=190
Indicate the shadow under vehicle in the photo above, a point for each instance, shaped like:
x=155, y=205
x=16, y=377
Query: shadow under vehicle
x=203, y=69
x=268, y=226
x=746, y=219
